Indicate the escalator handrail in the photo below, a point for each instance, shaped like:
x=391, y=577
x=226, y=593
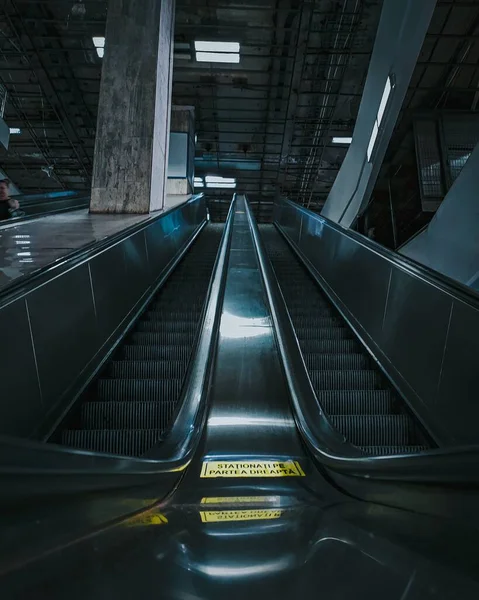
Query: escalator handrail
x=450, y=286
x=192, y=405
x=181, y=442
x=327, y=445
x=25, y=283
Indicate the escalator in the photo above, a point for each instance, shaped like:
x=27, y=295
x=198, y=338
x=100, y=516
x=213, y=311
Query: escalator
x=357, y=398
x=128, y=408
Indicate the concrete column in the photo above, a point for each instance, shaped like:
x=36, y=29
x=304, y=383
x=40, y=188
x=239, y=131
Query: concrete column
x=450, y=243
x=402, y=28
x=132, y=138
x=181, y=159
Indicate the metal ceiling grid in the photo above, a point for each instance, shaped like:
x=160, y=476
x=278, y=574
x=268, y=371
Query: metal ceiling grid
x=269, y=120
x=52, y=74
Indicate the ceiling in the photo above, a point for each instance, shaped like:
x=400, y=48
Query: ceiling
x=267, y=121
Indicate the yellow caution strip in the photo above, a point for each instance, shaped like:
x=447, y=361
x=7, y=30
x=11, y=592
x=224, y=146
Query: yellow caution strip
x=222, y=516
x=146, y=520
x=253, y=468
x=240, y=500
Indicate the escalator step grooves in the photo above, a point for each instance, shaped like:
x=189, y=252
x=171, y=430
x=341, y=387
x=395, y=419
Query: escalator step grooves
x=346, y=380
x=390, y=450
x=376, y=430
x=124, y=442
x=333, y=362
x=147, y=353
x=356, y=397
x=118, y=390
x=165, y=338
x=329, y=346
x=323, y=333
x=127, y=415
x=377, y=402
x=168, y=327
x=128, y=409
x=146, y=369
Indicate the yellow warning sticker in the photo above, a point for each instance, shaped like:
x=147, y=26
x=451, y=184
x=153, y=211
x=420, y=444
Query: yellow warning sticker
x=222, y=516
x=239, y=468
x=146, y=520
x=240, y=500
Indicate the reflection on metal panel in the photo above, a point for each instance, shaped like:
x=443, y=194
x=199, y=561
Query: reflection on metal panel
x=62, y=324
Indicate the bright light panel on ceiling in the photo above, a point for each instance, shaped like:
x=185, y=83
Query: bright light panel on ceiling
x=388, y=87
x=15, y=131
x=199, y=182
x=217, y=47
x=99, y=43
x=218, y=52
x=215, y=181
x=217, y=57
x=342, y=140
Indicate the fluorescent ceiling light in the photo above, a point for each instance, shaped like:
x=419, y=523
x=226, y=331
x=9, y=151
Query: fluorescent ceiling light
x=99, y=43
x=221, y=185
x=217, y=47
x=15, y=131
x=219, y=52
x=342, y=140
x=199, y=182
x=384, y=100
x=217, y=57
x=219, y=179
x=216, y=181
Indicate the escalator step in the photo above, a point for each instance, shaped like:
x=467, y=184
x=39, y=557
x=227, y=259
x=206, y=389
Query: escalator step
x=139, y=353
x=389, y=450
x=317, y=322
x=167, y=326
x=126, y=443
x=332, y=362
x=171, y=315
x=346, y=380
x=375, y=402
x=138, y=390
x=127, y=415
x=323, y=333
x=329, y=346
x=168, y=338
x=376, y=430
x=146, y=369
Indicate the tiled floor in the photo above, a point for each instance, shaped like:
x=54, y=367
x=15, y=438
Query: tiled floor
x=26, y=247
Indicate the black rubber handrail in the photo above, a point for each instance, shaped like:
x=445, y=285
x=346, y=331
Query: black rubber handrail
x=24, y=283
x=327, y=445
x=430, y=276
x=22, y=458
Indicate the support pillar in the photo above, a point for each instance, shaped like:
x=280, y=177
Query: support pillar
x=132, y=138
x=181, y=158
x=401, y=32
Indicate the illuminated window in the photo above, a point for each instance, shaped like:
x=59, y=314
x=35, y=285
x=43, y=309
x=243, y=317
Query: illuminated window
x=379, y=117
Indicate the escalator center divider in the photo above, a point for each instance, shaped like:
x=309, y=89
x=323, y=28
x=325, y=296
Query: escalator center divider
x=128, y=409
x=358, y=399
